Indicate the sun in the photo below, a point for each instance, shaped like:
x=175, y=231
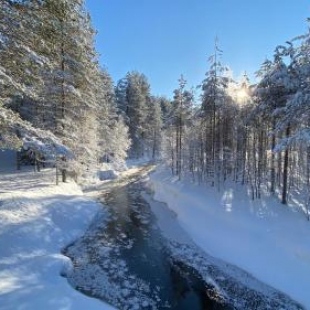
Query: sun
x=241, y=95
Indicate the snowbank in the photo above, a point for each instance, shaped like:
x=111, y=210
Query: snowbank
x=265, y=238
x=37, y=219
x=107, y=175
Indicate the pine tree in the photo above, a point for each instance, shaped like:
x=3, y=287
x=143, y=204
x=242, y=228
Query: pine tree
x=20, y=79
x=138, y=98
x=121, y=97
x=154, y=127
x=272, y=94
x=214, y=96
x=113, y=133
x=72, y=78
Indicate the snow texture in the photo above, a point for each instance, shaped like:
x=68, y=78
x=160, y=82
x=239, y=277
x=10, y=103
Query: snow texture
x=107, y=175
x=38, y=219
x=266, y=239
x=100, y=269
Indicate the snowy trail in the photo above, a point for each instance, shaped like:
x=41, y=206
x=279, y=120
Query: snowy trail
x=37, y=219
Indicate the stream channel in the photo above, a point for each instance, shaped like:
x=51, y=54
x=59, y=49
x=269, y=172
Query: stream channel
x=123, y=259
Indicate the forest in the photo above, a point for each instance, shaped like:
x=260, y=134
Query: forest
x=57, y=102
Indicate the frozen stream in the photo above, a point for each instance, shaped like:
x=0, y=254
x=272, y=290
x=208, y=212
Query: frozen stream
x=148, y=258
x=125, y=260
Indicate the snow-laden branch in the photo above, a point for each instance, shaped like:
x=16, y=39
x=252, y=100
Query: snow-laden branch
x=16, y=133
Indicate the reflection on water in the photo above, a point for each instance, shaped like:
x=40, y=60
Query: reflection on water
x=148, y=258
x=129, y=253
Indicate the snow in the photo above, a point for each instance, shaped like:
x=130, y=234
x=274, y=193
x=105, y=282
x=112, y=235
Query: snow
x=99, y=265
x=107, y=175
x=265, y=238
x=38, y=219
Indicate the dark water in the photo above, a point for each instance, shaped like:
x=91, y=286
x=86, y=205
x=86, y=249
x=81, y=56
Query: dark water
x=177, y=286
x=133, y=230
x=124, y=260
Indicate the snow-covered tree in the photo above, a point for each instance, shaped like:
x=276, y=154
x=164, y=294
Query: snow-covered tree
x=133, y=98
x=180, y=119
x=121, y=97
x=213, y=100
x=50, y=77
x=114, y=141
x=154, y=127
x=272, y=94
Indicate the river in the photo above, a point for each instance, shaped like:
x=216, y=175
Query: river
x=144, y=258
x=125, y=260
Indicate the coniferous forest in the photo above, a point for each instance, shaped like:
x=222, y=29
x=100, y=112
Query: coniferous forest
x=57, y=101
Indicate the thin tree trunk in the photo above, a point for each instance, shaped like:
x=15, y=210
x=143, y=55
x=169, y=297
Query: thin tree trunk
x=273, y=169
x=285, y=169
x=18, y=160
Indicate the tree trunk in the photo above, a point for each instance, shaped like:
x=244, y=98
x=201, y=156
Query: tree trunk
x=18, y=160
x=272, y=168
x=285, y=169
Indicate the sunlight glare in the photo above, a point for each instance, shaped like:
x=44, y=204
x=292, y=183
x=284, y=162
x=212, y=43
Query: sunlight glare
x=241, y=95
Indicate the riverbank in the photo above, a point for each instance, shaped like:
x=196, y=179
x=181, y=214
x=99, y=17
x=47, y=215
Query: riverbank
x=121, y=252
x=264, y=238
x=136, y=170
x=38, y=219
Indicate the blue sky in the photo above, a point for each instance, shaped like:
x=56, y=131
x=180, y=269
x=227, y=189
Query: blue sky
x=166, y=38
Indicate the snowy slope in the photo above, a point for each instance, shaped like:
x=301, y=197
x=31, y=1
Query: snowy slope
x=37, y=219
x=265, y=238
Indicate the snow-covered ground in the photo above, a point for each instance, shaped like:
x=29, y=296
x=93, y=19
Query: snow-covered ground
x=37, y=219
x=265, y=238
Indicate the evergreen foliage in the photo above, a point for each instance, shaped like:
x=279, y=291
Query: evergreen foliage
x=50, y=79
x=56, y=99
x=142, y=113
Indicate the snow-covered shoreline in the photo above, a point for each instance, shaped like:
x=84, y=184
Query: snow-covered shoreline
x=38, y=219
x=263, y=237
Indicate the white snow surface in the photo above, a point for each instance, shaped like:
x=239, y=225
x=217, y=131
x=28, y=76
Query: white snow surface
x=265, y=238
x=38, y=219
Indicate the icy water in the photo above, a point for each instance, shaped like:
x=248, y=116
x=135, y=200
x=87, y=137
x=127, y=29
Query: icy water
x=148, y=257
x=143, y=276
x=124, y=260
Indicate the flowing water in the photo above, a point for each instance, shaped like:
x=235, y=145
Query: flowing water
x=164, y=283
x=123, y=259
x=148, y=257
